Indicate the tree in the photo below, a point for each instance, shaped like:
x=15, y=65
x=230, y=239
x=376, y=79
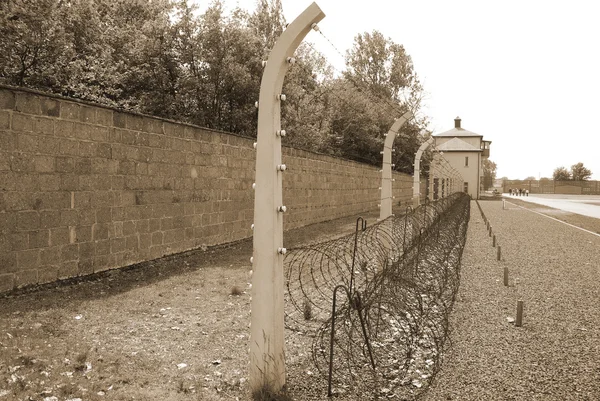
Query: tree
x=489, y=173
x=561, y=174
x=530, y=178
x=580, y=173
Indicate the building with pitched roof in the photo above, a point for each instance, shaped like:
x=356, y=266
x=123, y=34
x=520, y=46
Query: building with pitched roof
x=465, y=151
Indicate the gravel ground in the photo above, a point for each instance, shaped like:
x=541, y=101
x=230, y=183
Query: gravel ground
x=555, y=270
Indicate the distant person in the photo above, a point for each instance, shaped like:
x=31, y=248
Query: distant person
x=526, y=192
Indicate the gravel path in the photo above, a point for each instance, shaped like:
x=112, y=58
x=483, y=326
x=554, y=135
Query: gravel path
x=555, y=270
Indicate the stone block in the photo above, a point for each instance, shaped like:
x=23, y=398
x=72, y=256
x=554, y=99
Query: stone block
x=103, y=247
x=27, y=103
x=50, y=107
x=134, y=122
x=43, y=125
x=59, y=236
x=48, y=144
x=87, y=149
x=64, y=128
x=28, y=259
x=39, y=238
x=119, y=120
x=7, y=281
x=24, y=278
x=87, y=250
x=48, y=274
x=103, y=215
x=44, y=164
x=99, y=134
x=87, y=216
x=104, y=117
x=85, y=266
x=4, y=120
x=28, y=221
x=87, y=114
x=83, y=233
x=68, y=269
x=50, y=256
x=8, y=262
x=69, y=182
x=7, y=99
x=69, y=147
x=100, y=231
x=49, y=182
x=70, y=111
x=118, y=245
x=69, y=218
x=22, y=163
x=83, y=166
x=22, y=122
x=69, y=252
x=104, y=151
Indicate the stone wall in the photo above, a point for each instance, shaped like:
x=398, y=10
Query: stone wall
x=84, y=188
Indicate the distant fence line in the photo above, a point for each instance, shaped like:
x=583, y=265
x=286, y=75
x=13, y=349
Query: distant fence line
x=554, y=187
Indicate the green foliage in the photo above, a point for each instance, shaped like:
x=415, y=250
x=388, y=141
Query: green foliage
x=163, y=58
x=489, y=173
x=561, y=174
x=580, y=173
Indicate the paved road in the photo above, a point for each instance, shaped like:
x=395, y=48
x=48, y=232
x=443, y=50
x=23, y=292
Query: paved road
x=587, y=205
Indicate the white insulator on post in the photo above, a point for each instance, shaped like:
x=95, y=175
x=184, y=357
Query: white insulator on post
x=252, y=227
x=282, y=97
x=379, y=188
x=281, y=167
x=282, y=209
x=253, y=185
x=281, y=251
x=251, y=259
x=256, y=104
x=385, y=135
x=381, y=152
x=315, y=27
x=291, y=60
x=280, y=133
x=254, y=145
x=393, y=149
x=393, y=180
x=393, y=165
x=264, y=63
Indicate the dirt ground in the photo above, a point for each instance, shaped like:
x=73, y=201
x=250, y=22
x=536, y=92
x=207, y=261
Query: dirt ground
x=169, y=329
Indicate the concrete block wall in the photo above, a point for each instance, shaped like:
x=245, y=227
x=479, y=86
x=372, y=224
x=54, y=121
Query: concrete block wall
x=85, y=188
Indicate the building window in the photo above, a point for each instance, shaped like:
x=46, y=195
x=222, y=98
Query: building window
x=466, y=161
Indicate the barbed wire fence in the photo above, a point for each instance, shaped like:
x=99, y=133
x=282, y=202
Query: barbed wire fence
x=400, y=277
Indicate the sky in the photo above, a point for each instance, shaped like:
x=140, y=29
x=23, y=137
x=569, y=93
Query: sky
x=524, y=74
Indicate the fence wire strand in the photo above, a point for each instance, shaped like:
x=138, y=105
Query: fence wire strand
x=406, y=270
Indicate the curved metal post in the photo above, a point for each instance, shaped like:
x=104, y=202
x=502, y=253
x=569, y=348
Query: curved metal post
x=386, y=169
x=417, y=173
x=267, y=360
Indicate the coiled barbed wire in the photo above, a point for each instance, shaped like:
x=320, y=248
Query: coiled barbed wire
x=405, y=272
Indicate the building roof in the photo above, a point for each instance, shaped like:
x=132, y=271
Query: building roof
x=457, y=145
x=457, y=132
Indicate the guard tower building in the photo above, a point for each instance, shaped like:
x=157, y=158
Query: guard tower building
x=465, y=151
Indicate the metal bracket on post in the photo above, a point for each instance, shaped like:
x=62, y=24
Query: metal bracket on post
x=267, y=360
x=417, y=173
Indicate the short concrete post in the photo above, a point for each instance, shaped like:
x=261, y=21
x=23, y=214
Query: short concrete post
x=499, y=253
x=267, y=361
x=506, y=276
x=490, y=231
x=494, y=241
x=519, y=319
